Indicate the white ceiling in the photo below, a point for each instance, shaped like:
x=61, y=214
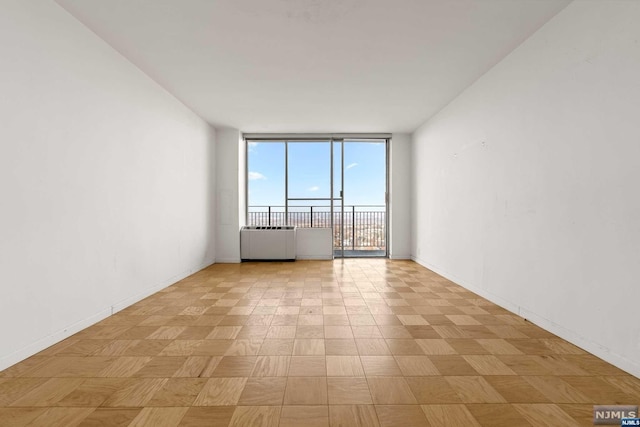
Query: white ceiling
x=314, y=65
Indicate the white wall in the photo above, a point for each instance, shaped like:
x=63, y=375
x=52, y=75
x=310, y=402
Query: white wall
x=400, y=196
x=526, y=186
x=231, y=176
x=106, y=181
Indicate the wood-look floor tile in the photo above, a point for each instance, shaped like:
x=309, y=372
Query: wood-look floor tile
x=557, y=390
x=310, y=332
x=497, y=415
x=415, y=366
x=159, y=417
x=195, y=333
x=166, y=333
x=366, y=332
x=308, y=416
x=542, y=415
x=71, y=367
x=146, y=348
x=582, y=413
x=20, y=369
x=380, y=366
x=263, y=391
x=516, y=390
x=159, y=367
x=467, y=346
x=400, y=415
x=125, y=366
x=259, y=416
x=452, y=365
x=135, y=393
x=475, y=389
x=394, y=332
x=559, y=365
x=207, y=416
x=113, y=417
x=281, y=332
x=433, y=390
x=422, y=332
x=306, y=391
x=235, y=366
x=19, y=417
x=93, y=392
x=488, y=365
x=224, y=332
x=329, y=338
x=271, y=366
x=178, y=392
x=276, y=347
x=338, y=332
x=372, y=347
x=353, y=415
x=498, y=346
x=349, y=366
x=435, y=347
x=308, y=347
x=307, y=366
x=220, y=392
x=336, y=320
x=348, y=391
x=627, y=384
x=213, y=348
x=244, y=347
x=84, y=347
x=600, y=391
x=391, y=391
x=341, y=347
x=404, y=347
x=449, y=415
x=67, y=417
x=12, y=389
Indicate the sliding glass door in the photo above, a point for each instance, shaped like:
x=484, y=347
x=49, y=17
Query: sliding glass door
x=337, y=182
x=362, y=212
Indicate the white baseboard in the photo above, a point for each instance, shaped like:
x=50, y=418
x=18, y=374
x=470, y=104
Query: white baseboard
x=400, y=257
x=57, y=336
x=314, y=257
x=584, y=343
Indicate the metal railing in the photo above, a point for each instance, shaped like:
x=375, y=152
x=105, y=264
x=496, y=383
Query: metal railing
x=364, y=226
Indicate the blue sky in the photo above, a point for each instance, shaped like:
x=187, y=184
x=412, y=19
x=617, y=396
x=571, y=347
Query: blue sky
x=309, y=173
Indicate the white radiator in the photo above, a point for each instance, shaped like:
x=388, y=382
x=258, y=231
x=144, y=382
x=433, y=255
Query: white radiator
x=268, y=243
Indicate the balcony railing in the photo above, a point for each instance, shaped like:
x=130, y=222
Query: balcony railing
x=364, y=226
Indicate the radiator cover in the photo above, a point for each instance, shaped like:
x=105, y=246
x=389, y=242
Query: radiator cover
x=268, y=243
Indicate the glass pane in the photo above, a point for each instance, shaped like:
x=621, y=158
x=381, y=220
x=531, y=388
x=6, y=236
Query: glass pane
x=364, y=196
x=337, y=203
x=310, y=213
x=309, y=170
x=266, y=184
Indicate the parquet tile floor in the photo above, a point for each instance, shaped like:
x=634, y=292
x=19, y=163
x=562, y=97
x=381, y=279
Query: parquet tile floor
x=358, y=342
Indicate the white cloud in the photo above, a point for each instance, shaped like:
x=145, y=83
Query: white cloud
x=314, y=188
x=352, y=165
x=256, y=175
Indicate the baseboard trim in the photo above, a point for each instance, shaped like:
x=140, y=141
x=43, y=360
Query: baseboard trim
x=584, y=343
x=400, y=257
x=314, y=257
x=57, y=336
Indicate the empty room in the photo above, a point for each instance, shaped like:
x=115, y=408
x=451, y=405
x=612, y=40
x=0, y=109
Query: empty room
x=319, y=213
